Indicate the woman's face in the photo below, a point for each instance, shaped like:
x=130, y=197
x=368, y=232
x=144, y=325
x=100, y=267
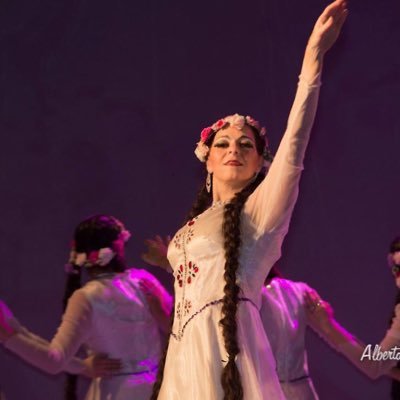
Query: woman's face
x=395, y=262
x=233, y=157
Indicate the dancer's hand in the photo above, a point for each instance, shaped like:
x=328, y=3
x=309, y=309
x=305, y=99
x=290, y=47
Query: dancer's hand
x=328, y=26
x=6, y=316
x=100, y=365
x=156, y=254
x=319, y=312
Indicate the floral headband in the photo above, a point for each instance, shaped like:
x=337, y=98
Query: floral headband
x=101, y=257
x=237, y=121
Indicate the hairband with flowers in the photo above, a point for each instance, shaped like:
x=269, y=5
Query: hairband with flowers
x=237, y=121
x=101, y=257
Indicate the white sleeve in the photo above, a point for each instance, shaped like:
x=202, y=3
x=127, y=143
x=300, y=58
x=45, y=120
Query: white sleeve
x=57, y=355
x=361, y=355
x=270, y=206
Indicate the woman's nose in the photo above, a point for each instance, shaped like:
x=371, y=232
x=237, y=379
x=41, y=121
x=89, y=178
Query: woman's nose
x=233, y=148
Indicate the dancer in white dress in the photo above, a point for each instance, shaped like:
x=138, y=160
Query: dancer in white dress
x=119, y=314
x=374, y=360
x=220, y=258
x=284, y=316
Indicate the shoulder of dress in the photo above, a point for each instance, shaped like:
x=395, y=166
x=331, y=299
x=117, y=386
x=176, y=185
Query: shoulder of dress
x=136, y=274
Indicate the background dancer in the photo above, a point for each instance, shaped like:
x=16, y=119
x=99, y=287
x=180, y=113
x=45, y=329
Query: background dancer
x=120, y=313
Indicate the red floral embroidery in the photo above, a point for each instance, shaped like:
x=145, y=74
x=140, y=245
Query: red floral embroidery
x=179, y=275
x=177, y=240
x=179, y=311
x=189, y=235
x=193, y=269
x=187, y=307
x=191, y=272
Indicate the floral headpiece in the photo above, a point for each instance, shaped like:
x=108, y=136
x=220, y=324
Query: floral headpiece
x=101, y=257
x=237, y=121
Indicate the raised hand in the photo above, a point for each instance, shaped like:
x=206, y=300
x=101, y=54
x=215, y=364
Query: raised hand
x=328, y=26
x=156, y=254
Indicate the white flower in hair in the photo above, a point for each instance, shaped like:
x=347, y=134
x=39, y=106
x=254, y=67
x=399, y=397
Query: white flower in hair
x=201, y=151
x=105, y=256
x=236, y=121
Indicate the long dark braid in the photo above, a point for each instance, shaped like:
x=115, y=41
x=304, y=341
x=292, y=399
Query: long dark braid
x=91, y=234
x=230, y=379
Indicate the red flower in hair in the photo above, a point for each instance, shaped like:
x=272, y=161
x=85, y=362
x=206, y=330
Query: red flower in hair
x=205, y=133
x=93, y=256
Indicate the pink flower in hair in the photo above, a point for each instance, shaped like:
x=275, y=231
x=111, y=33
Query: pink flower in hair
x=237, y=121
x=118, y=246
x=93, y=257
x=263, y=133
x=219, y=124
x=252, y=122
x=124, y=235
x=205, y=133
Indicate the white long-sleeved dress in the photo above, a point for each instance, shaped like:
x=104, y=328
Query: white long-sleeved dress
x=285, y=321
x=196, y=353
x=110, y=316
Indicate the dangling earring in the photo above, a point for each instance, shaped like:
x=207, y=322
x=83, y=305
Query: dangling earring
x=208, y=182
x=253, y=179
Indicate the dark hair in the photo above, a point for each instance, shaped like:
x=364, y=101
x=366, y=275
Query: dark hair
x=92, y=234
x=230, y=378
x=395, y=245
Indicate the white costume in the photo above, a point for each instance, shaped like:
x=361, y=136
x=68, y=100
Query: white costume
x=285, y=321
x=109, y=315
x=196, y=353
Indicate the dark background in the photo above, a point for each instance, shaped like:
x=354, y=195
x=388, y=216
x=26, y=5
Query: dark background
x=102, y=102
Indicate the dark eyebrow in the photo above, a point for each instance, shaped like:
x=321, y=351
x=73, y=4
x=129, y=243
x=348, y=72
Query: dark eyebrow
x=241, y=137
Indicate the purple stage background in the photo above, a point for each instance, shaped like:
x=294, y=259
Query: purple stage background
x=102, y=102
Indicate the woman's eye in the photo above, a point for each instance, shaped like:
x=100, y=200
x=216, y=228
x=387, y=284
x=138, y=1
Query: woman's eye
x=248, y=145
x=221, y=144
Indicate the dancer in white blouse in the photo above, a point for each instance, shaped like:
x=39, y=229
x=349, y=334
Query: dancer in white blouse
x=218, y=348
x=118, y=313
x=320, y=316
x=284, y=316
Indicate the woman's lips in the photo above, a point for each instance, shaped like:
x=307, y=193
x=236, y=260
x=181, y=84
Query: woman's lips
x=234, y=163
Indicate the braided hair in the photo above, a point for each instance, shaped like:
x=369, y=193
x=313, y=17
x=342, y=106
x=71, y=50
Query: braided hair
x=92, y=234
x=230, y=377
